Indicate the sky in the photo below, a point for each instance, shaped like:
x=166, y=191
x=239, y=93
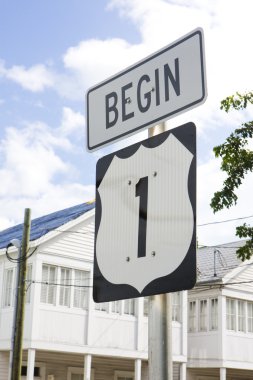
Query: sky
x=52, y=52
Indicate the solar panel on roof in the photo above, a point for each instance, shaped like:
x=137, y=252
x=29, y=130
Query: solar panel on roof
x=42, y=225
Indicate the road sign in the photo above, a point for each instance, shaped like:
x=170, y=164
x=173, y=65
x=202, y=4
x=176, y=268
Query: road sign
x=145, y=217
x=155, y=89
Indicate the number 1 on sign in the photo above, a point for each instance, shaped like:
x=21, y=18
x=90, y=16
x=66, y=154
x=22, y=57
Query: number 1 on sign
x=141, y=191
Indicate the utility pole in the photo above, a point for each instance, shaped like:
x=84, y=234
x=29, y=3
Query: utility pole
x=20, y=310
x=160, y=323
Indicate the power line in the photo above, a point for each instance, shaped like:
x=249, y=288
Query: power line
x=204, y=286
x=224, y=221
x=21, y=259
x=57, y=284
x=47, y=230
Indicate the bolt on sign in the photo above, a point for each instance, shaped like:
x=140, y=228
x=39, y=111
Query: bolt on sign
x=166, y=83
x=145, y=230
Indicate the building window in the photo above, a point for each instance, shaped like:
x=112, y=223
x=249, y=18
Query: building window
x=203, y=315
x=241, y=316
x=8, y=287
x=36, y=371
x=129, y=306
x=115, y=306
x=75, y=373
x=250, y=316
x=48, y=287
x=123, y=375
x=65, y=287
x=81, y=289
x=230, y=305
x=145, y=306
x=101, y=306
x=192, y=316
x=28, y=283
x=214, y=314
x=176, y=309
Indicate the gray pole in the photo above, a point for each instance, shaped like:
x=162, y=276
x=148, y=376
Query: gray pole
x=160, y=324
x=18, y=338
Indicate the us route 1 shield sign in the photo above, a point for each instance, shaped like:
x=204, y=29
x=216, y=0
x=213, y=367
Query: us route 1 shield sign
x=145, y=232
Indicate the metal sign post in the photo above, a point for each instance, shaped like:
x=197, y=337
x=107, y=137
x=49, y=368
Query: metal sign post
x=160, y=323
x=160, y=337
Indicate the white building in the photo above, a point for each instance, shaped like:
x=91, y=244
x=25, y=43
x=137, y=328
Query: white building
x=66, y=335
x=69, y=337
x=220, y=316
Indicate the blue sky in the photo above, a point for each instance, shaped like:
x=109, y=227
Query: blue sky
x=51, y=52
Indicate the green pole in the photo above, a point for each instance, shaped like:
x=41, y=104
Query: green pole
x=18, y=337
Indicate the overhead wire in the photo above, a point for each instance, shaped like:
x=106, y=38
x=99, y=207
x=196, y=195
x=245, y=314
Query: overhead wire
x=20, y=259
x=47, y=230
x=224, y=221
x=198, y=287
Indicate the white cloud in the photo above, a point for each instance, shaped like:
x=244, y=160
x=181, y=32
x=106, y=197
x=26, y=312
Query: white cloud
x=35, y=79
x=95, y=60
x=71, y=121
x=160, y=22
x=56, y=197
x=31, y=163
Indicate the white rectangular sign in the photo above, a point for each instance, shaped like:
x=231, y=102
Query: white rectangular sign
x=153, y=90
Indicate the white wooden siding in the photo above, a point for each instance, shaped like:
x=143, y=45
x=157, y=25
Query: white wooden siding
x=243, y=280
x=62, y=327
x=77, y=242
x=119, y=332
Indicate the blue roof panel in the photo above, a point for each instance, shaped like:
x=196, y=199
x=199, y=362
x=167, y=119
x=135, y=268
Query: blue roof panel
x=44, y=224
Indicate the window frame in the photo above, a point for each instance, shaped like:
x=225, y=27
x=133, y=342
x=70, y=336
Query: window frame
x=115, y=307
x=176, y=307
x=78, y=371
x=145, y=306
x=102, y=307
x=213, y=314
x=81, y=293
x=203, y=315
x=8, y=287
x=65, y=293
x=46, y=285
x=42, y=368
x=231, y=317
x=129, y=307
x=250, y=317
x=65, y=287
x=118, y=374
x=192, y=316
x=28, y=283
x=241, y=316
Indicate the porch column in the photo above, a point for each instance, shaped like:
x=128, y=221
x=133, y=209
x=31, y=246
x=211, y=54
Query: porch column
x=223, y=373
x=87, y=367
x=137, y=369
x=30, y=364
x=183, y=371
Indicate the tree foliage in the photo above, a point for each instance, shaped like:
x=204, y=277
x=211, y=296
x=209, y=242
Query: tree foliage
x=236, y=161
